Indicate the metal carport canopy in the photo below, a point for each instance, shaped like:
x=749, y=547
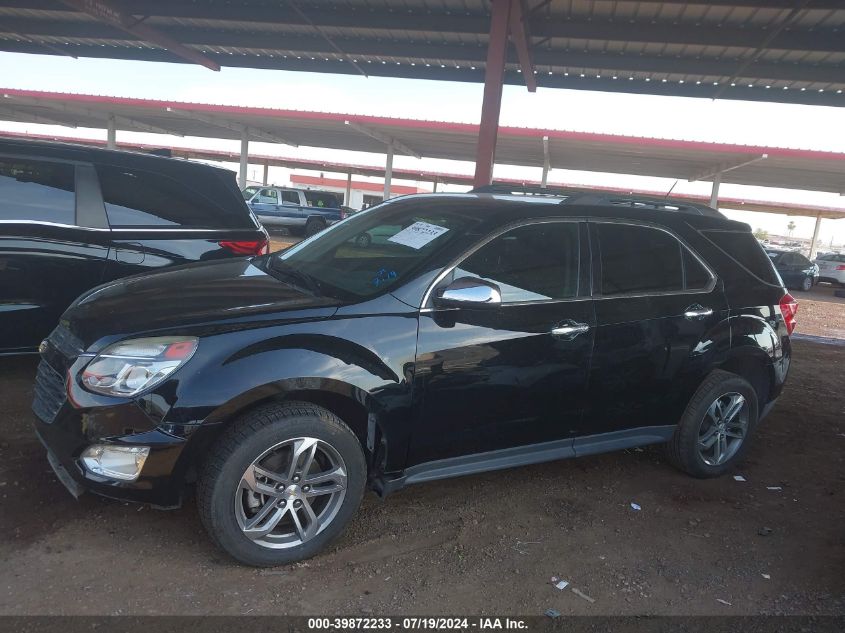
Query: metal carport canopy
x=291, y=162
x=668, y=158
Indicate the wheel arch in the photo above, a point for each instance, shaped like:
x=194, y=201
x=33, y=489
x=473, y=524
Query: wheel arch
x=755, y=366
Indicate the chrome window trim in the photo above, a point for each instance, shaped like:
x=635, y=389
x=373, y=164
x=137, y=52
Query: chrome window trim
x=662, y=293
x=424, y=307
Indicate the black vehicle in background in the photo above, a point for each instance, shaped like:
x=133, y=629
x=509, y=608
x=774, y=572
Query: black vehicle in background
x=796, y=270
x=73, y=217
x=479, y=332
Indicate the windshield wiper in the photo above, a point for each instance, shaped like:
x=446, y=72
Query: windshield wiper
x=305, y=280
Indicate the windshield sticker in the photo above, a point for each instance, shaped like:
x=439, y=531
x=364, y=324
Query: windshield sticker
x=418, y=234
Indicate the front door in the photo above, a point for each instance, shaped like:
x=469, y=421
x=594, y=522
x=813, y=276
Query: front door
x=656, y=304
x=499, y=377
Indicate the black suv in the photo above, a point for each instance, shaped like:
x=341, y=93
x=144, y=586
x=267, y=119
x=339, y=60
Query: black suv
x=73, y=217
x=484, y=331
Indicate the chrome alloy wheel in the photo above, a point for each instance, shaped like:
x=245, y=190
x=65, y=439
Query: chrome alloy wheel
x=723, y=429
x=290, y=493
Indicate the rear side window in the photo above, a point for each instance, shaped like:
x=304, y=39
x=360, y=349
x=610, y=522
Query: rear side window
x=743, y=248
x=536, y=262
x=37, y=191
x=137, y=198
x=291, y=197
x=638, y=259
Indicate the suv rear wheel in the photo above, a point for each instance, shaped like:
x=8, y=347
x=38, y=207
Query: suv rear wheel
x=281, y=483
x=714, y=432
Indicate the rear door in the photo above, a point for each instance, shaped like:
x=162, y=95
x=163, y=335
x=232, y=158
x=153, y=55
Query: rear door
x=655, y=301
x=53, y=245
x=495, y=378
x=293, y=208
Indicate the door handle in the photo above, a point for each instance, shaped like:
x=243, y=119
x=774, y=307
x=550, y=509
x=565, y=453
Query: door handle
x=568, y=330
x=696, y=312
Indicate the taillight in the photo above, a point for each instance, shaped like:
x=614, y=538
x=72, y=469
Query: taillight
x=840, y=267
x=789, y=308
x=246, y=247
x=342, y=214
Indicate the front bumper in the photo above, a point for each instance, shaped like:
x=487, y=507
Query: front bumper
x=67, y=427
x=159, y=483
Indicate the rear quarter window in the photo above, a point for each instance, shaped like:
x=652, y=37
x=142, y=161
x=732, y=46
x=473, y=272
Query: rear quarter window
x=139, y=198
x=745, y=250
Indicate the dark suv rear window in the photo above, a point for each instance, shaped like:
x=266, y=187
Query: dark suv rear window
x=745, y=250
x=138, y=198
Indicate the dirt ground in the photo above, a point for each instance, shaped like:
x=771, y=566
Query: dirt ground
x=483, y=544
x=820, y=312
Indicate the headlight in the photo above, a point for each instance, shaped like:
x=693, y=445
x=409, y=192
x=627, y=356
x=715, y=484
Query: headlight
x=127, y=368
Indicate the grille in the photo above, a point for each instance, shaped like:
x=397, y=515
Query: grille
x=50, y=393
x=64, y=342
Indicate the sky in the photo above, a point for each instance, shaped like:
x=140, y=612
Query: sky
x=781, y=125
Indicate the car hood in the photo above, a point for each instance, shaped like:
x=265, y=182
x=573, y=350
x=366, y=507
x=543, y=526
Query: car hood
x=217, y=296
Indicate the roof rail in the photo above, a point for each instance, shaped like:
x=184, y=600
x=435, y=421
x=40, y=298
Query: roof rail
x=601, y=198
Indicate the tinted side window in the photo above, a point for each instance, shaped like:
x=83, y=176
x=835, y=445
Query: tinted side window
x=290, y=196
x=638, y=259
x=140, y=198
x=744, y=249
x=696, y=277
x=37, y=191
x=537, y=262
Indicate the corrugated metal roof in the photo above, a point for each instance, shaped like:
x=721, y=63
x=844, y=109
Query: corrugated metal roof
x=717, y=48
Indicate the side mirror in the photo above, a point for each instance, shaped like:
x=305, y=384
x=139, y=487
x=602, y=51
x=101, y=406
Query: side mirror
x=469, y=292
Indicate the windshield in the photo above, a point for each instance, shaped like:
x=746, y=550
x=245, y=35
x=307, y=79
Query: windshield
x=249, y=192
x=374, y=250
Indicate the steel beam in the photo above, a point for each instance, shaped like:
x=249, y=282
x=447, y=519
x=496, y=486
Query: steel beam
x=244, y=163
x=266, y=173
x=384, y=138
x=547, y=164
x=111, y=133
x=727, y=166
x=109, y=13
x=347, y=199
x=714, y=191
x=256, y=134
x=491, y=106
x=521, y=42
x=388, y=171
x=815, y=236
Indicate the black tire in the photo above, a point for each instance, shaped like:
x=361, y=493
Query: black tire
x=682, y=450
x=314, y=226
x=247, y=439
x=807, y=284
x=364, y=240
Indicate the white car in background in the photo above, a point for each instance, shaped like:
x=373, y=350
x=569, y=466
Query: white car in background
x=832, y=268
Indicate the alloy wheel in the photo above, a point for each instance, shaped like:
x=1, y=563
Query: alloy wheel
x=290, y=493
x=723, y=429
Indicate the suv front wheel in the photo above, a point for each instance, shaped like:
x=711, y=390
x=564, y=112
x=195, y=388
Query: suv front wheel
x=281, y=483
x=714, y=432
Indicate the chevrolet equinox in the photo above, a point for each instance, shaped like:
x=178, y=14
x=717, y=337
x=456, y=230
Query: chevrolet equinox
x=471, y=332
